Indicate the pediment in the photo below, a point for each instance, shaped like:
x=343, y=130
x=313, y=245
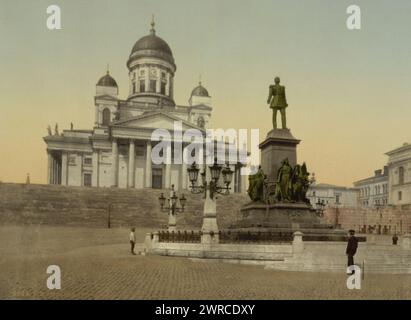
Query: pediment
x=157, y=120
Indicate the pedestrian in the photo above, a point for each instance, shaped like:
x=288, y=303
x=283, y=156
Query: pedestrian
x=132, y=240
x=394, y=239
x=351, y=250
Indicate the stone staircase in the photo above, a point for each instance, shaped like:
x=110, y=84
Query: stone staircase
x=81, y=206
x=330, y=257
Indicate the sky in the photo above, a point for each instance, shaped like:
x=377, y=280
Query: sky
x=348, y=90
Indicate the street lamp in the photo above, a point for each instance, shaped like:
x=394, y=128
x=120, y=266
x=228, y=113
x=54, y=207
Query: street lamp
x=210, y=188
x=215, y=171
x=172, y=208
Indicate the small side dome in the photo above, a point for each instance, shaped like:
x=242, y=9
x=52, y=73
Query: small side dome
x=200, y=91
x=107, y=81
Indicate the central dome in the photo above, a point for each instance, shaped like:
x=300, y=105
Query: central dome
x=152, y=42
x=151, y=46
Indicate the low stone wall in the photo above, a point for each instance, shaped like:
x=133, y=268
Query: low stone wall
x=211, y=249
x=298, y=255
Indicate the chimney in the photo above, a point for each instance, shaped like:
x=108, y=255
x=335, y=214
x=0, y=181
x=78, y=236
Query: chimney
x=378, y=173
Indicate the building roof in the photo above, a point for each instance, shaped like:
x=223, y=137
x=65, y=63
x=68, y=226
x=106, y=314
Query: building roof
x=404, y=147
x=330, y=186
x=107, y=81
x=152, y=42
x=152, y=46
x=200, y=91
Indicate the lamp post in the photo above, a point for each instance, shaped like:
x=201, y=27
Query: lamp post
x=172, y=207
x=210, y=187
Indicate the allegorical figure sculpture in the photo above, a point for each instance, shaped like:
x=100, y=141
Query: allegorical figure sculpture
x=284, y=182
x=256, y=185
x=278, y=102
x=300, y=183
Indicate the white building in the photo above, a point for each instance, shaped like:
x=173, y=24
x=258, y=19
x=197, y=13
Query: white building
x=373, y=191
x=399, y=168
x=117, y=151
x=332, y=196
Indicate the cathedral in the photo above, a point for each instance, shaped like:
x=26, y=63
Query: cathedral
x=117, y=152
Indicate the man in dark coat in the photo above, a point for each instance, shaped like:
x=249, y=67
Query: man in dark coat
x=352, y=246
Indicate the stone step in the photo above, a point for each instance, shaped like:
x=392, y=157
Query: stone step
x=43, y=204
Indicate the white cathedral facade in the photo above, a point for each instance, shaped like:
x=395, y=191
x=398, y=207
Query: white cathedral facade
x=117, y=152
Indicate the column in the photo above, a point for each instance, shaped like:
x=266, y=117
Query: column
x=114, y=165
x=49, y=163
x=168, y=167
x=168, y=84
x=148, y=165
x=58, y=172
x=96, y=169
x=158, y=80
x=53, y=170
x=96, y=117
x=147, y=79
x=184, y=170
x=64, y=173
x=131, y=166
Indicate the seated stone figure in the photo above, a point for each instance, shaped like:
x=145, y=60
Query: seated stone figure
x=256, y=185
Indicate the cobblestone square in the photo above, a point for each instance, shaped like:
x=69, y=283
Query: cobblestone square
x=96, y=264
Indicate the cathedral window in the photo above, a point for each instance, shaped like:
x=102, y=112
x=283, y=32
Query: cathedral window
x=163, y=87
x=200, y=122
x=88, y=161
x=401, y=175
x=142, y=85
x=106, y=116
x=134, y=87
x=153, y=84
x=87, y=180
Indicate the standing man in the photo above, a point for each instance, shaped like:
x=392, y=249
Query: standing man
x=352, y=246
x=132, y=240
x=394, y=239
x=278, y=102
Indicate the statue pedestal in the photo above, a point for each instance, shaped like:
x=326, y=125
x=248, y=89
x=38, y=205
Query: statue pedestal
x=277, y=146
x=282, y=218
x=278, y=215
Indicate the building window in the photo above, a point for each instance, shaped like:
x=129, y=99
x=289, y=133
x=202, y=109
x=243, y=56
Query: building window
x=153, y=84
x=106, y=116
x=142, y=86
x=87, y=179
x=399, y=195
x=200, y=122
x=88, y=161
x=337, y=199
x=163, y=87
x=401, y=175
x=134, y=87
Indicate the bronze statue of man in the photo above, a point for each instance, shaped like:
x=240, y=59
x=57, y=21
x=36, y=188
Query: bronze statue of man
x=284, y=182
x=278, y=102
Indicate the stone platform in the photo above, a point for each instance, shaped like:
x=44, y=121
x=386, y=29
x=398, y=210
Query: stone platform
x=286, y=218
